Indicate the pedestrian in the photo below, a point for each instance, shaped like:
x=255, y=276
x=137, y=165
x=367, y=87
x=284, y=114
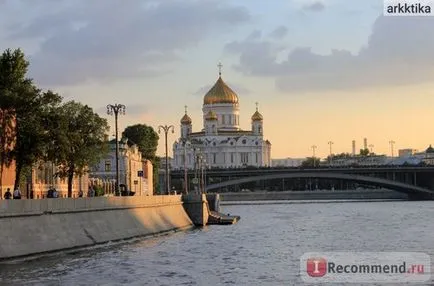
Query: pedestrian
x=80, y=193
x=8, y=194
x=17, y=194
x=55, y=193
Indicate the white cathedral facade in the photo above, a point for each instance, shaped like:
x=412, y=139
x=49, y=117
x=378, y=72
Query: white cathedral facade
x=221, y=143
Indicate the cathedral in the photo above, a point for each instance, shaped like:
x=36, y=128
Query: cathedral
x=221, y=143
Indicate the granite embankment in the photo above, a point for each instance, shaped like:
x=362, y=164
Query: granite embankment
x=30, y=227
x=313, y=195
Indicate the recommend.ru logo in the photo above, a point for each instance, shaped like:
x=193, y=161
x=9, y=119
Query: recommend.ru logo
x=365, y=267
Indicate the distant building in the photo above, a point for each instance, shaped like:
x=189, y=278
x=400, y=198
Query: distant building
x=221, y=143
x=134, y=172
x=427, y=156
x=406, y=152
x=287, y=162
x=43, y=178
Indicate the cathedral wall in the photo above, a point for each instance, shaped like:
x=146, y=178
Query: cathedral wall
x=228, y=115
x=238, y=151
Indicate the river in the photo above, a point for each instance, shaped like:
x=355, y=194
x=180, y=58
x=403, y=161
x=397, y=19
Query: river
x=263, y=248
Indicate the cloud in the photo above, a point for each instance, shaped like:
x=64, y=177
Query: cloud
x=316, y=6
x=398, y=51
x=103, y=40
x=279, y=32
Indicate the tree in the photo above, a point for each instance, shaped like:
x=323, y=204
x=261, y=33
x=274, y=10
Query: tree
x=23, y=109
x=364, y=152
x=79, y=140
x=310, y=162
x=146, y=140
x=13, y=69
x=144, y=137
x=339, y=156
x=32, y=128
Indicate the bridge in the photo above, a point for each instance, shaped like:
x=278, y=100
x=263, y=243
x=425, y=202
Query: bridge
x=416, y=181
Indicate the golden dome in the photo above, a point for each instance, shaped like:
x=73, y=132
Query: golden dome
x=186, y=119
x=257, y=116
x=220, y=93
x=211, y=115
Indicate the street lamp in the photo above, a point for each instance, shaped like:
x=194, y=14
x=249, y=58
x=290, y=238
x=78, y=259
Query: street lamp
x=196, y=154
x=313, y=150
x=116, y=109
x=166, y=130
x=185, y=167
x=391, y=142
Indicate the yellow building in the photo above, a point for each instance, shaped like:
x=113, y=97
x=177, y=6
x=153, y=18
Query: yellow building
x=134, y=171
x=43, y=178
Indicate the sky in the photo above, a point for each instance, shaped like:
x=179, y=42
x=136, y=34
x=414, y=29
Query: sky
x=321, y=70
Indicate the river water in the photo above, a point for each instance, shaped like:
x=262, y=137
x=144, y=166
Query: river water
x=263, y=248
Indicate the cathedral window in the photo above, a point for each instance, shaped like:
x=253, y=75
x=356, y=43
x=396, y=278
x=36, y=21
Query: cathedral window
x=214, y=158
x=223, y=119
x=244, y=158
x=259, y=129
x=256, y=156
x=232, y=157
x=244, y=141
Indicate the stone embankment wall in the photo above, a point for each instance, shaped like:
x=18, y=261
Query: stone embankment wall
x=29, y=227
x=313, y=195
x=196, y=205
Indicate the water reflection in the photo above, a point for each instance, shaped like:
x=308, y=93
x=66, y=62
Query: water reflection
x=262, y=249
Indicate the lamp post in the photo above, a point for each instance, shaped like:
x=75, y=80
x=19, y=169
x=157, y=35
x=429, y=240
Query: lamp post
x=391, y=142
x=116, y=109
x=196, y=161
x=330, y=144
x=313, y=150
x=166, y=130
x=202, y=175
x=185, y=168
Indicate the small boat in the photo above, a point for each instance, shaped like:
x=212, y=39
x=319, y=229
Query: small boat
x=219, y=218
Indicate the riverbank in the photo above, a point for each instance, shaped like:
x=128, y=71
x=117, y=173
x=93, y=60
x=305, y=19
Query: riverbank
x=34, y=227
x=312, y=195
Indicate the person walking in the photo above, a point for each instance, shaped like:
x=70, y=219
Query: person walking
x=17, y=194
x=8, y=194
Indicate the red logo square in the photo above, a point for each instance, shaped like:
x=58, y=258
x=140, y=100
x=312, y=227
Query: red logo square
x=316, y=267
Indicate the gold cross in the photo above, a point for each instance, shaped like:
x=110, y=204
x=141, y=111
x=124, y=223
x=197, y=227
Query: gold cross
x=185, y=107
x=256, y=106
x=220, y=68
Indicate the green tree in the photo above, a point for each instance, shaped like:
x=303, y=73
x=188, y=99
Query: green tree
x=13, y=69
x=364, y=152
x=310, y=162
x=339, y=156
x=79, y=140
x=32, y=128
x=146, y=139
x=23, y=110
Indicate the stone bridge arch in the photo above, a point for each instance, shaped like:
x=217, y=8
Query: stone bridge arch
x=411, y=190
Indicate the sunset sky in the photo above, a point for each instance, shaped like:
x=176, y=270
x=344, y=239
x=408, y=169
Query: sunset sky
x=321, y=70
